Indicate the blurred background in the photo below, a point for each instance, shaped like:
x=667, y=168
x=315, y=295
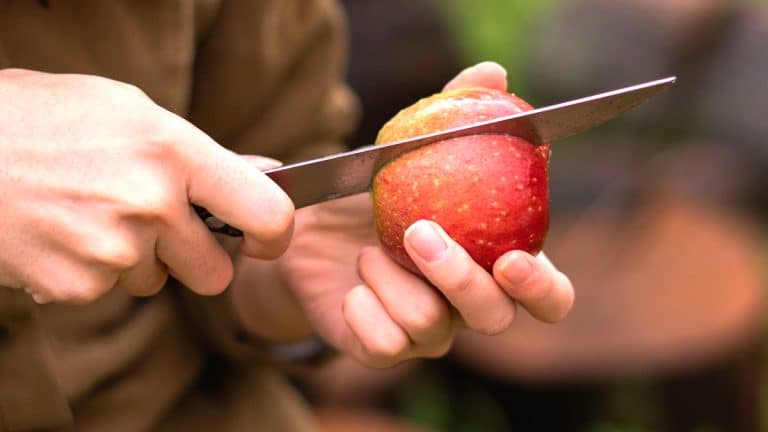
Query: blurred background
x=659, y=218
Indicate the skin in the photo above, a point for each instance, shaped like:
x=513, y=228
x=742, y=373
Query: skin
x=336, y=280
x=96, y=183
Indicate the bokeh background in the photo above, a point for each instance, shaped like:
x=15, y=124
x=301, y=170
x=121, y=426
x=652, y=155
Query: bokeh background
x=659, y=218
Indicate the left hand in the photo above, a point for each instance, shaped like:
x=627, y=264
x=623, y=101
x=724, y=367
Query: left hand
x=365, y=304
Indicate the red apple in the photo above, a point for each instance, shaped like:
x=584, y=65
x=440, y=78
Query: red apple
x=489, y=192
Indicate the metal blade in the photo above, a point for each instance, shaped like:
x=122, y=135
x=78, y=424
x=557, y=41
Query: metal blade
x=343, y=174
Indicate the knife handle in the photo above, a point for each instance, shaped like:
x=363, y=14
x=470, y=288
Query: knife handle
x=215, y=224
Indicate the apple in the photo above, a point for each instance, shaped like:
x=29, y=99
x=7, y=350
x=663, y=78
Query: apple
x=490, y=192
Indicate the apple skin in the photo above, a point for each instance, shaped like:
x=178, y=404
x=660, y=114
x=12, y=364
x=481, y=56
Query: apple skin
x=489, y=192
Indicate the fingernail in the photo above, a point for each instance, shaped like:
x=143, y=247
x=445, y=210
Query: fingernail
x=517, y=269
x=426, y=241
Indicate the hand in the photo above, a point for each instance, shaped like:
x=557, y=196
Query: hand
x=96, y=183
x=364, y=303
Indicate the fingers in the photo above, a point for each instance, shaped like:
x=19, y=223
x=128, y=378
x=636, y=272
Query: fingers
x=485, y=74
x=395, y=315
x=193, y=255
x=546, y=293
x=380, y=341
x=482, y=304
x=145, y=279
x=138, y=266
x=231, y=188
x=411, y=303
x=127, y=175
x=65, y=280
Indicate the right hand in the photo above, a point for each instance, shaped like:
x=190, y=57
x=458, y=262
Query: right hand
x=96, y=183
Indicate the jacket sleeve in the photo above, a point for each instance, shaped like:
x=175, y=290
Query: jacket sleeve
x=268, y=81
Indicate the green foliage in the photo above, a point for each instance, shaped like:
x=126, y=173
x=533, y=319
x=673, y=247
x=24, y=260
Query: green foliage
x=631, y=407
x=611, y=427
x=433, y=401
x=495, y=30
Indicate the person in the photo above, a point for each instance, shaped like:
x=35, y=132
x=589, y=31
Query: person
x=119, y=309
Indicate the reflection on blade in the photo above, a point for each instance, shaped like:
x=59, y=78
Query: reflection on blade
x=349, y=173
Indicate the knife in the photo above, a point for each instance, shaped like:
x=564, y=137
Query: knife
x=343, y=174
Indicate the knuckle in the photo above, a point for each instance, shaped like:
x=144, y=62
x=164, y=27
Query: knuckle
x=365, y=260
x=108, y=86
x=365, y=255
x=84, y=291
x=463, y=283
x=131, y=88
x=534, y=289
x=218, y=275
x=147, y=193
x=113, y=251
x=156, y=203
x=439, y=350
x=147, y=286
x=162, y=135
x=15, y=73
x=157, y=284
x=145, y=290
x=274, y=237
x=497, y=324
x=224, y=274
x=101, y=87
x=387, y=348
x=424, y=319
x=282, y=219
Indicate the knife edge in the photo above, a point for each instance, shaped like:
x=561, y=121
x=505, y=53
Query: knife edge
x=348, y=173
x=351, y=172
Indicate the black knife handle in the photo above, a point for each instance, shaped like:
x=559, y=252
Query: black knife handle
x=215, y=224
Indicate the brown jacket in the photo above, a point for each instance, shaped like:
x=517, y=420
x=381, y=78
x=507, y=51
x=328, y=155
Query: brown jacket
x=260, y=77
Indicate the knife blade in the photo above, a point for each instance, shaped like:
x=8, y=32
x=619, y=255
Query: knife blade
x=343, y=174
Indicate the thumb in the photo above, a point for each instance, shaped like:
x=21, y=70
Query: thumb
x=235, y=190
x=486, y=74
